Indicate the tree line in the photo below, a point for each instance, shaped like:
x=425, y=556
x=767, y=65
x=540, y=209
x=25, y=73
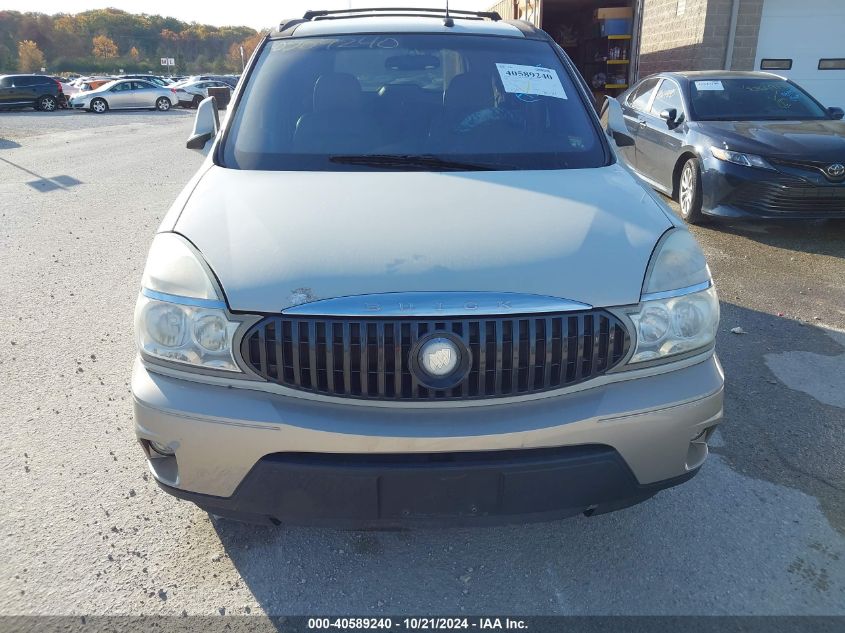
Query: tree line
x=108, y=40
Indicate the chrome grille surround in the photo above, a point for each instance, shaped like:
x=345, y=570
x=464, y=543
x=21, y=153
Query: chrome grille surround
x=371, y=357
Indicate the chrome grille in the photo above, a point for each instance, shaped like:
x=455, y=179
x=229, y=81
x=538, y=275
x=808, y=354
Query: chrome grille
x=370, y=358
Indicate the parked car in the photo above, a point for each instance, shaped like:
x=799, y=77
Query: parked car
x=737, y=145
x=69, y=88
x=94, y=84
x=153, y=79
x=31, y=91
x=230, y=80
x=191, y=94
x=412, y=283
x=125, y=94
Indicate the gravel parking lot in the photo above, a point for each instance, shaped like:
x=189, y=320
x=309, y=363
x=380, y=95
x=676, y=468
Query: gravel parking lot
x=84, y=530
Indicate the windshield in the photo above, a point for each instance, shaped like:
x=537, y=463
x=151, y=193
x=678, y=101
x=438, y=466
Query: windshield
x=751, y=99
x=410, y=101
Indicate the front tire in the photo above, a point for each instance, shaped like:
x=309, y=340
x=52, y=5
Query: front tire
x=47, y=103
x=99, y=106
x=163, y=104
x=196, y=102
x=689, y=192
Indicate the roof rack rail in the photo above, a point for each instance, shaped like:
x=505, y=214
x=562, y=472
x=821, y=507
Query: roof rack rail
x=325, y=14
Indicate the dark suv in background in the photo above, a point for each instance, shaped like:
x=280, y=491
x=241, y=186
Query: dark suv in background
x=31, y=91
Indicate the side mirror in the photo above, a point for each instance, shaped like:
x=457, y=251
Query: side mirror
x=670, y=116
x=613, y=122
x=206, y=124
x=836, y=113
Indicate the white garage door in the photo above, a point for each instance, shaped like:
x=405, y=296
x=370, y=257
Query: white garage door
x=806, y=32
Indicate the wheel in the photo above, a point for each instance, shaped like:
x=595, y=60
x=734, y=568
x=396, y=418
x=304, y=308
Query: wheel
x=99, y=105
x=47, y=103
x=689, y=192
x=162, y=104
x=196, y=102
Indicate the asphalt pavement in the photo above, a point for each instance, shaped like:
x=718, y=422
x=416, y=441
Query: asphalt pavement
x=84, y=530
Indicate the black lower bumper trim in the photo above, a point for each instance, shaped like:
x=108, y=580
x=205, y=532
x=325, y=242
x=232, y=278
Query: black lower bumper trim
x=490, y=487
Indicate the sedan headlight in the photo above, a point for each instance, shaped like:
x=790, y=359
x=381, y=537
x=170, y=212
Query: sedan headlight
x=679, y=309
x=180, y=316
x=738, y=158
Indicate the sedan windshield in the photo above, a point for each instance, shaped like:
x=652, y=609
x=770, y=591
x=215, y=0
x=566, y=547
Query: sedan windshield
x=751, y=99
x=411, y=102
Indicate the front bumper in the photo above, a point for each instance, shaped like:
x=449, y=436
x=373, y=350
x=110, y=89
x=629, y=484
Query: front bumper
x=268, y=457
x=737, y=192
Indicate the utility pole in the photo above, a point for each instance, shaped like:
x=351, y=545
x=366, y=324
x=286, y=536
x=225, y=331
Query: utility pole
x=243, y=63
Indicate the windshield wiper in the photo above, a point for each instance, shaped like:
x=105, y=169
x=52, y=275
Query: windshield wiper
x=412, y=160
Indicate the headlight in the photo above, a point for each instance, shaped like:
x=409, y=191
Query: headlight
x=679, y=309
x=666, y=327
x=747, y=160
x=180, y=316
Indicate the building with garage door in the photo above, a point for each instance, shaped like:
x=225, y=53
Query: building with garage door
x=613, y=42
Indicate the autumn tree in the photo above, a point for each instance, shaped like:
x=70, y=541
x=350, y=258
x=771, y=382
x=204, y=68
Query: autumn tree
x=104, y=48
x=249, y=45
x=134, y=54
x=30, y=57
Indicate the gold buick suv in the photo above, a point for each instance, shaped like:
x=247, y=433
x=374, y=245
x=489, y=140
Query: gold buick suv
x=412, y=283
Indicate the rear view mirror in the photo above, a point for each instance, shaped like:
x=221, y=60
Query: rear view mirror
x=836, y=113
x=613, y=123
x=412, y=62
x=206, y=124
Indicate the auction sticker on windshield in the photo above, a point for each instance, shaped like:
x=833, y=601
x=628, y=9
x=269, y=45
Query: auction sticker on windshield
x=702, y=86
x=531, y=80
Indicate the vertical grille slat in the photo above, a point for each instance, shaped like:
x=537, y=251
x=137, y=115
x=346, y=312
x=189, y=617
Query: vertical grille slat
x=364, y=352
x=294, y=345
x=579, y=354
x=330, y=356
x=280, y=346
x=515, y=356
x=347, y=359
x=532, y=353
x=370, y=357
x=482, y=357
x=262, y=353
x=312, y=353
x=397, y=359
x=500, y=350
x=380, y=380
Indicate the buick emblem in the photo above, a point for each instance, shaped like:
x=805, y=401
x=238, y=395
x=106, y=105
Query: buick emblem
x=440, y=360
x=439, y=357
x=837, y=170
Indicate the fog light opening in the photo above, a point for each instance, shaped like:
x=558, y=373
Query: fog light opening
x=162, y=449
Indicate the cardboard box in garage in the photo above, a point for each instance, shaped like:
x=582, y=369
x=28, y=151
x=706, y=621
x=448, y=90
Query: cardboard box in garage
x=615, y=13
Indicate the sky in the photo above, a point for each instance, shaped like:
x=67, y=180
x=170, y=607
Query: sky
x=257, y=14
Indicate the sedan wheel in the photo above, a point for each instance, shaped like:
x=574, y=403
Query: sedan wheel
x=99, y=106
x=47, y=104
x=689, y=192
x=163, y=104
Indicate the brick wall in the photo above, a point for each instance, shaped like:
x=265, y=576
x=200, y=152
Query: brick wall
x=697, y=39
x=747, y=30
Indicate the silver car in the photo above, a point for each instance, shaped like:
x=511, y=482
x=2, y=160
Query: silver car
x=412, y=282
x=191, y=94
x=125, y=94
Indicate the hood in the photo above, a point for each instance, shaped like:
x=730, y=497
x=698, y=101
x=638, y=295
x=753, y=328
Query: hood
x=270, y=237
x=822, y=140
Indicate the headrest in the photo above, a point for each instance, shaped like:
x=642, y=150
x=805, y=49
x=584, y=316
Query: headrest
x=336, y=91
x=469, y=91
